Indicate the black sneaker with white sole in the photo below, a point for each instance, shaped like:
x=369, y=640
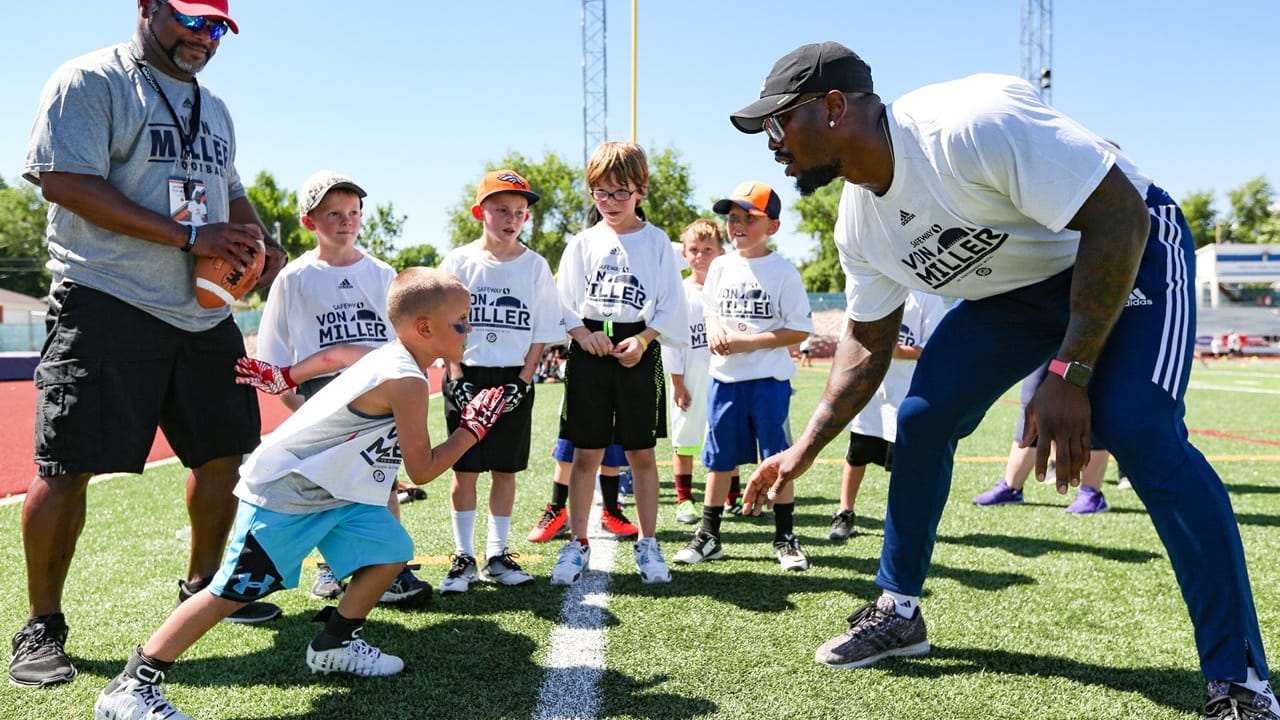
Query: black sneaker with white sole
x=841, y=526
x=39, y=657
x=703, y=546
x=251, y=614
x=876, y=631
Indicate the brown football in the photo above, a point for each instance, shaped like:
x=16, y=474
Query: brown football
x=219, y=282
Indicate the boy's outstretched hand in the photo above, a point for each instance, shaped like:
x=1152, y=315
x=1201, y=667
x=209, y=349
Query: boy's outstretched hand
x=263, y=375
x=483, y=411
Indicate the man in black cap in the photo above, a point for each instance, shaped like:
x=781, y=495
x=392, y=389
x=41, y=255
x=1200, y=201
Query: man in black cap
x=1063, y=251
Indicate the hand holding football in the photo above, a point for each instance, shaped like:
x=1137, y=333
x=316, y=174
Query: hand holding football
x=219, y=282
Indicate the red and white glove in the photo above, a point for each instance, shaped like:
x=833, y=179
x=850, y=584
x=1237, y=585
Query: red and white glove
x=268, y=378
x=483, y=411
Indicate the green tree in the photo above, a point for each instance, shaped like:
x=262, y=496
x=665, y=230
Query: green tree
x=278, y=205
x=669, y=204
x=818, y=220
x=1251, y=218
x=22, y=245
x=415, y=255
x=379, y=231
x=1201, y=216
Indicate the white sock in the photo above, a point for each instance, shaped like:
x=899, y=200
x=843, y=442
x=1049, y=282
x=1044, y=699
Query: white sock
x=906, y=605
x=1262, y=687
x=499, y=530
x=464, y=527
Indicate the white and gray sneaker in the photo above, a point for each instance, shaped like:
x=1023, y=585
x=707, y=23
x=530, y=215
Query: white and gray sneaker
x=649, y=562
x=132, y=699
x=356, y=657
x=703, y=546
x=462, y=572
x=504, y=569
x=790, y=556
x=573, y=560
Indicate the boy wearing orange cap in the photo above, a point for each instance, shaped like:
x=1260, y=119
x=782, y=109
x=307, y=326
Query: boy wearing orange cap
x=514, y=313
x=755, y=306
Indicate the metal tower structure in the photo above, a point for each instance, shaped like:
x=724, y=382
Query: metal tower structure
x=1037, y=46
x=595, y=65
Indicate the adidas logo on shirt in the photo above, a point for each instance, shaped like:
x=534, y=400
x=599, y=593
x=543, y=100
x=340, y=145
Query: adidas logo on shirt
x=345, y=285
x=1137, y=297
x=905, y=217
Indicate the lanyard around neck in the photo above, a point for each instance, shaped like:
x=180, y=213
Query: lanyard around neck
x=186, y=136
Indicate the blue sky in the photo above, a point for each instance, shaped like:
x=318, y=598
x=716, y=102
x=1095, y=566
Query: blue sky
x=412, y=99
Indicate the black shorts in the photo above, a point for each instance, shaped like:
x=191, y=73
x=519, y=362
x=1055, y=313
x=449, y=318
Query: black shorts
x=867, y=450
x=605, y=403
x=109, y=374
x=505, y=448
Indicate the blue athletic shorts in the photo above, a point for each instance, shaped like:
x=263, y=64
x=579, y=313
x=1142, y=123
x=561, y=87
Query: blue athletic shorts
x=743, y=417
x=614, y=455
x=267, y=548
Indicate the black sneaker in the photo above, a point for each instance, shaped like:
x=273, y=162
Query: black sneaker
x=703, y=546
x=251, y=614
x=841, y=525
x=38, y=655
x=1229, y=701
x=407, y=590
x=876, y=631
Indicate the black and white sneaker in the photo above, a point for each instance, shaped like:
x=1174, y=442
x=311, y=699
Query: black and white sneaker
x=876, y=631
x=462, y=572
x=407, y=589
x=504, y=570
x=703, y=546
x=789, y=554
x=39, y=658
x=251, y=614
x=1232, y=701
x=132, y=699
x=841, y=526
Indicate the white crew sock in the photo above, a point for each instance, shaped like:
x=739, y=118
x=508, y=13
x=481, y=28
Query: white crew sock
x=499, y=530
x=906, y=605
x=464, y=527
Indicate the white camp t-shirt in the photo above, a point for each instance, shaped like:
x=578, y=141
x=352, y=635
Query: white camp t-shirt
x=624, y=278
x=693, y=364
x=513, y=304
x=751, y=296
x=314, y=305
x=348, y=456
x=879, y=418
x=985, y=179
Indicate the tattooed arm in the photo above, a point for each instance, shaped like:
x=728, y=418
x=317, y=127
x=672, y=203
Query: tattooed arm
x=1113, y=225
x=861, y=360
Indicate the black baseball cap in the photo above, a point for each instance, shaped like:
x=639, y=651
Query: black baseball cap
x=816, y=68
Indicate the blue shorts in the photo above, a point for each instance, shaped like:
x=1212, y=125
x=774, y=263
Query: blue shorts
x=267, y=548
x=614, y=455
x=743, y=417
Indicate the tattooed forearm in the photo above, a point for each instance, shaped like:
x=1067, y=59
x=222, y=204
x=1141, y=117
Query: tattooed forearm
x=861, y=360
x=1113, y=225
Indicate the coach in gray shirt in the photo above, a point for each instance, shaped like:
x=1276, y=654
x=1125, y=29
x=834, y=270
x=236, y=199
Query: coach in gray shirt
x=138, y=163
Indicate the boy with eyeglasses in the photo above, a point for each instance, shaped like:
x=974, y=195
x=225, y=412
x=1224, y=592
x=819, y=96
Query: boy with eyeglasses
x=326, y=309
x=756, y=307
x=514, y=314
x=321, y=481
x=619, y=290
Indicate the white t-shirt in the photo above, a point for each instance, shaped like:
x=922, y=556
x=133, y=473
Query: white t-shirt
x=513, y=304
x=624, y=278
x=693, y=364
x=985, y=179
x=326, y=453
x=752, y=296
x=314, y=305
x=879, y=418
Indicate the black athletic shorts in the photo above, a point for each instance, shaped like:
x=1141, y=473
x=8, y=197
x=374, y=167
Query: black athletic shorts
x=505, y=448
x=605, y=403
x=867, y=450
x=109, y=374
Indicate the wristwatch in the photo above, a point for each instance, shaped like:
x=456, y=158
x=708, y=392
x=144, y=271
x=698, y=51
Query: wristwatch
x=1073, y=372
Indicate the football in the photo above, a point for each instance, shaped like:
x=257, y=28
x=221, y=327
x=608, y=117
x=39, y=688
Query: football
x=219, y=282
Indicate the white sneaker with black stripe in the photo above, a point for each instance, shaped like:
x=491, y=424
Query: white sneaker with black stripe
x=789, y=554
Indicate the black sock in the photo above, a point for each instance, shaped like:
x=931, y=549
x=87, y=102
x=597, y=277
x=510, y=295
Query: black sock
x=55, y=624
x=609, y=493
x=146, y=669
x=711, y=519
x=338, y=630
x=559, y=495
x=783, y=520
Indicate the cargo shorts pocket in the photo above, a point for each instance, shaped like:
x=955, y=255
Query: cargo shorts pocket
x=68, y=409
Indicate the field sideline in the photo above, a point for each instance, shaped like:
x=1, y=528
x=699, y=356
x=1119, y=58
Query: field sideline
x=1031, y=612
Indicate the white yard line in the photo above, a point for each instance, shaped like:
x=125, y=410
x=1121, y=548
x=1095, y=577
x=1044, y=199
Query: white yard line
x=575, y=661
x=1231, y=388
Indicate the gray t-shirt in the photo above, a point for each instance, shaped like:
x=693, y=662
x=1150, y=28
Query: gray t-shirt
x=99, y=116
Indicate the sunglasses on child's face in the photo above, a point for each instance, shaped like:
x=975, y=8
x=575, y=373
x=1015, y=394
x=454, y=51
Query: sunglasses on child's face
x=217, y=28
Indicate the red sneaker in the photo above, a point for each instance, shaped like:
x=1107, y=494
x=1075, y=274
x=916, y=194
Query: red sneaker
x=552, y=523
x=618, y=525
